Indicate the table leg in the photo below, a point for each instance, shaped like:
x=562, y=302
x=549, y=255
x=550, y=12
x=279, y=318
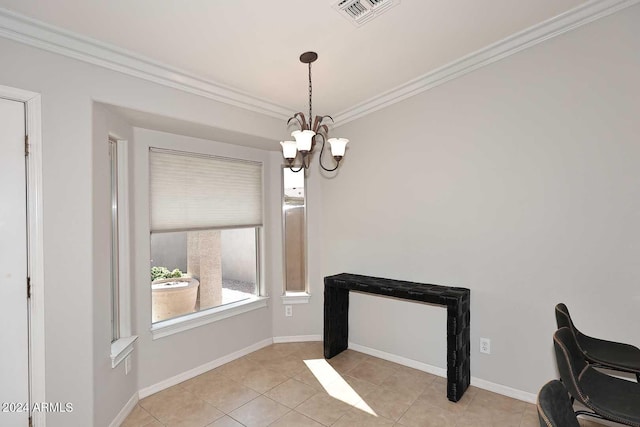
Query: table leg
x=458, y=349
x=336, y=320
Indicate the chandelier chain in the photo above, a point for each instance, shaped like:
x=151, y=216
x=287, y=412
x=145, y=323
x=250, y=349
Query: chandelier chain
x=310, y=91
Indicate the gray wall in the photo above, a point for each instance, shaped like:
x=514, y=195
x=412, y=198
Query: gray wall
x=518, y=181
x=523, y=187
x=111, y=387
x=75, y=228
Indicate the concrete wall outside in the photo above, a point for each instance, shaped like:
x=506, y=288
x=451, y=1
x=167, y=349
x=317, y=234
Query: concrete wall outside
x=238, y=249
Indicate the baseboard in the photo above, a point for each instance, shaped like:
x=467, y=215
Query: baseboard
x=297, y=338
x=176, y=379
x=125, y=411
x=441, y=372
x=435, y=370
x=504, y=390
x=399, y=359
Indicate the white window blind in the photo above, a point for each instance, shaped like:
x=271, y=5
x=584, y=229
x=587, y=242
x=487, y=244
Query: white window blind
x=192, y=191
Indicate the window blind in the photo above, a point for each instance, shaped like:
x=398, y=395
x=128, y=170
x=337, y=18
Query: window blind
x=192, y=191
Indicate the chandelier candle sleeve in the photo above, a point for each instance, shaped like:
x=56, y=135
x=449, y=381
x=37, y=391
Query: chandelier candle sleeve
x=338, y=146
x=304, y=139
x=289, y=149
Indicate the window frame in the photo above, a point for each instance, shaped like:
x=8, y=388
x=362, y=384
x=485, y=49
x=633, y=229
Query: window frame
x=121, y=338
x=294, y=297
x=189, y=321
x=115, y=276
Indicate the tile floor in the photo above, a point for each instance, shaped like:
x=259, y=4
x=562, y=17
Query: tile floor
x=291, y=385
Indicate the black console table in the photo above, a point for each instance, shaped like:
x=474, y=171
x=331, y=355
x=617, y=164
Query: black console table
x=336, y=318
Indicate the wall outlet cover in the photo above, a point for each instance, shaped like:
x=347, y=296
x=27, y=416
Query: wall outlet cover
x=485, y=345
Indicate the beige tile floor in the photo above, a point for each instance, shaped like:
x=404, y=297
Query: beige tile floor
x=291, y=385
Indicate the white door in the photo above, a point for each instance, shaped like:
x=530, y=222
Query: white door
x=14, y=317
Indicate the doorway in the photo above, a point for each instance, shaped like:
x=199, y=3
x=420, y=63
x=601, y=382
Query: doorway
x=21, y=309
x=14, y=360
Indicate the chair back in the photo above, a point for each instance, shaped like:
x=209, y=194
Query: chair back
x=563, y=318
x=570, y=361
x=554, y=406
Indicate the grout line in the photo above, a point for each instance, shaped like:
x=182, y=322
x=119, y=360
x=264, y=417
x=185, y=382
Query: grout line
x=321, y=391
x=152, y=416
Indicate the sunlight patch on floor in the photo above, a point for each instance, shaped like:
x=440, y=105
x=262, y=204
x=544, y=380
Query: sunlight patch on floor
x=335, y=385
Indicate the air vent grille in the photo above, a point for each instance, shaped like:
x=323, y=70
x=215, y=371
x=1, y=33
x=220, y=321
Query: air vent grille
x=360, y=11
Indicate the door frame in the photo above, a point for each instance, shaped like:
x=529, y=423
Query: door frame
x=35, y=252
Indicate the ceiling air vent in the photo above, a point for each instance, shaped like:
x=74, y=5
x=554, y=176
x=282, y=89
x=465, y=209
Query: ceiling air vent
x=360, y=11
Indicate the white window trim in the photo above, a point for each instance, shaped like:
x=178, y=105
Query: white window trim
x=122, y=347
x=296, y=298
x=194, y=320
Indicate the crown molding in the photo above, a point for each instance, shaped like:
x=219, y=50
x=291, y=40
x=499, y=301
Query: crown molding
x=44, y=36
x=35, y=33
x=574, y=18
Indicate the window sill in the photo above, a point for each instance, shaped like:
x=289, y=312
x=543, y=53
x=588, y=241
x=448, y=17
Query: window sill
x=190, y=321
x=121, y=348
x=296, y=298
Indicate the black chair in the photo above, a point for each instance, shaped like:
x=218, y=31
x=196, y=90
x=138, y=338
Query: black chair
x=608, y=397
x=605, y=354
x=554, y=406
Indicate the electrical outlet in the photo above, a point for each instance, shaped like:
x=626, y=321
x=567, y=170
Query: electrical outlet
x=288, y=310
x=127, y=365
x=485, y=345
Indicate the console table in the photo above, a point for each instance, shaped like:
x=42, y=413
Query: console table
x=336, y=318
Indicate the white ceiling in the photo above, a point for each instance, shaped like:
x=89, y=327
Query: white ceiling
x=254, y=45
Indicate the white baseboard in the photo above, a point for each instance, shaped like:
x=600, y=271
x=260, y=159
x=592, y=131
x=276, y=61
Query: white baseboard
x=399, y=359
x=442, y=372
x=504, y=390
x=297, y=338
x=125, y=411
x=176, y=379
x=435, y=370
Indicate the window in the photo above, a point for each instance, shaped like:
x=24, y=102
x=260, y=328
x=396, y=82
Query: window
x=121, y=338
x=115, y=279
x=294, y=234
x=206, y=217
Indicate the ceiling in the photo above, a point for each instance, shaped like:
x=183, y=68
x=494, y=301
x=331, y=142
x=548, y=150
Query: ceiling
x=254, y=45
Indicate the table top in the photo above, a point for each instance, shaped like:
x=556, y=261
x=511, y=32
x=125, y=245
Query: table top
x=435, y=294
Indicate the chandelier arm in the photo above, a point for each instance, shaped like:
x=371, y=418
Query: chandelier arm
x=296, y=171
x=300, y=168
x=323, y=129
x=318, y=126
x=321, y=151
x=324, y=117
x=302, y=121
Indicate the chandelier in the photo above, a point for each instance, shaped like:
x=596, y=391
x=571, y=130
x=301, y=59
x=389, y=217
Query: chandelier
x=311, y=132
